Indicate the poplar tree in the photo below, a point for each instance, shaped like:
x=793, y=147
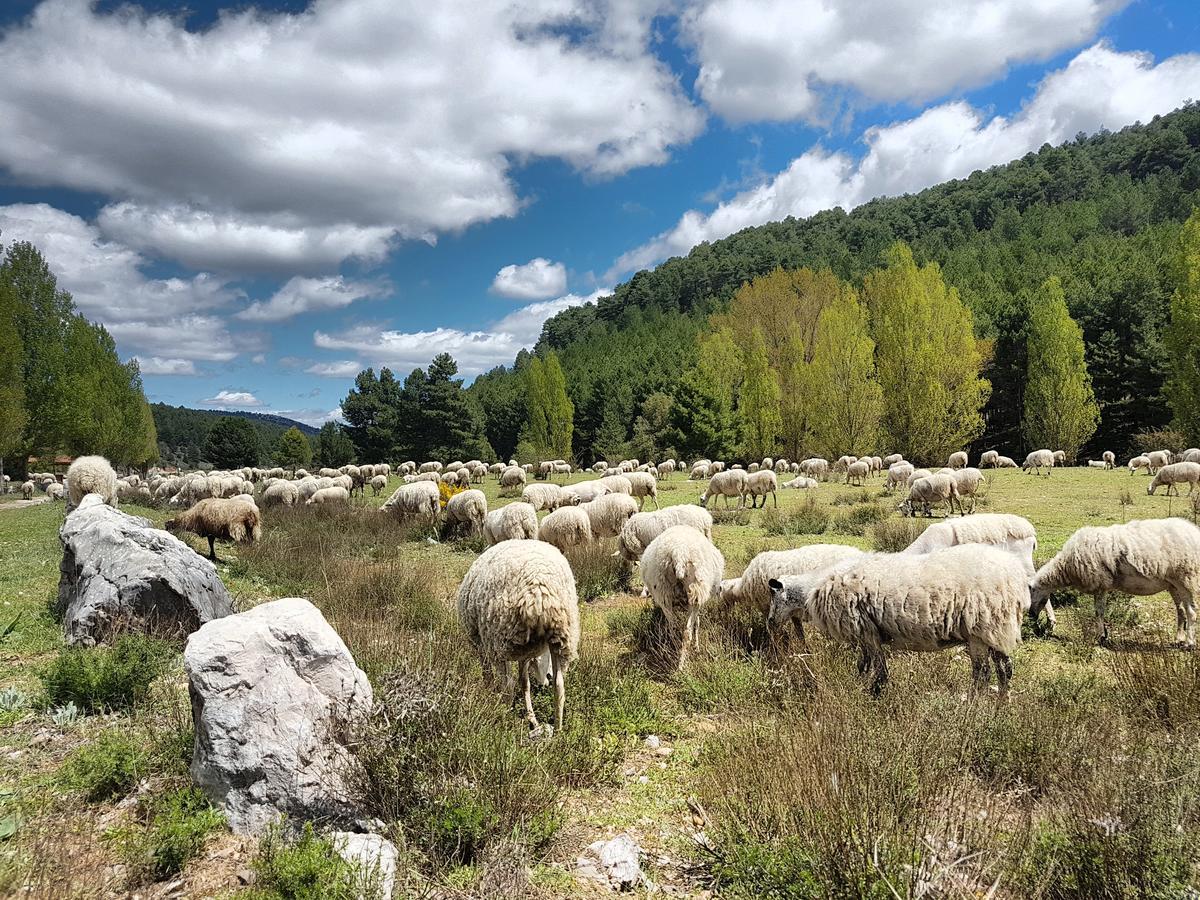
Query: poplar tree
x=294, y=449
x=758, y=403
x=12, y=380
x=1182, y=337
x=1060, y=408
x=551, y=415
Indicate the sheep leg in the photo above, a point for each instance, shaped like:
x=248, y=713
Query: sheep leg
x=1185, y=617
x=1100, y=600
x=981, y=667
x=1003, y=671
x=212, y=548
x=530, y=716
x=560, y=687
x=879, y=672
x=775, y=497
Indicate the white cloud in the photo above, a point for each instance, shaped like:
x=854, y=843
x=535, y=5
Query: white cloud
x=192, y=337
x=275, y=141
x=1099, y=88
x=538, y=279
x=781, y=59
x=156, y=365
x=302, y=295
x=343, y=368
x=314, y=417
x=233, y=399
x=474, y=351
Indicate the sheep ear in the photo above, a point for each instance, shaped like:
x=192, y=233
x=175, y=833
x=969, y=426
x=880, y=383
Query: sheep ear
x=775, y=585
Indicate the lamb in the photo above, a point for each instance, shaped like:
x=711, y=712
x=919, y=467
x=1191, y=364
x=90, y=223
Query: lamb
x=608, y=514
x=801, y=482
x=970, y=594
x=27, y=490
x=466, y=511
x=898, y=473
x=330, y=496
x=726, y=484
x=642, y=528
x=280, y=493
x=234, y=519
x=1110, y=459
x=1174, y=475
x=857, y=471
x=566, y=527
x=760, y=484
x=930, y=490
x=512, y=477
x=91, y=475
x=988, y=458
x=958, y=460
x=751, y=587
x=544, y=495
x=378, y=483
x=419, y=502
x=1141, y=557
x=1158, y=459
x=517, y=602
x=1038, y=460
x=1139, y=462
x=968, y=480
x=516, y=521
x=643, y=486
x=682, y=572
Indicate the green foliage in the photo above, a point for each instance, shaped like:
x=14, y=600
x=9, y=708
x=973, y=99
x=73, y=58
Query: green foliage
x=810, y=517
x=551, y=413
x=333, y=448
x=1060, y=408
x=232, y=443
x=305, y=867
x=174, y=831
x=293, y=450
x=758, y=402
x=1183, y=334
x=99, y=679
x=108, y=767
x=181, y=432
x=12, y=377
x=702, y=418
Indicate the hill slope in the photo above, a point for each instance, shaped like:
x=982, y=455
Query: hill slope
x=184, y=430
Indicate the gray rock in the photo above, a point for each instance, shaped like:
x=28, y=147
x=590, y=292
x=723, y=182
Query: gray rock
x=272, y=692
x=120, y=573
x=375, y=857
x=615, y=863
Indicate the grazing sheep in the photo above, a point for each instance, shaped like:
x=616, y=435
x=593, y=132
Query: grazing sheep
x=1139, y=462
x=465, y=511
x=815, y=467
x=1038, y=460
x=892, y=458
x=682, y=572
x=566, y=527
x=751, y=588
x=608, y=514
x=55, y=491
x=229, y=519
x=545, y=495
x=280, y=493
x=642, y=528
x=752, y=468
x=512, y=477
x=1097, y=464
x=801, y=482
x=418, y=502
x=1005, y=462
x=378, y=483
x=929, y=490
x=516, y=521
x=958, y=460
x=917, y=475
x=898, y=474
x=91, y=475
x=330, y=496
x=643, y=486
x=1060, y=457
x=585, y=491
x=430, y=467
x=1141, y=557
x=517, y=602
x=1158, y=459
x=1008, y=532
x=1110, y=459
x=1174, y=475
x=971, y=595
x=968, y=480
x=1191, y=455
x=760, y=484
x=988, y=458
x=618, y=484
x=726, y=484
x=27, y=490
x=857, y=471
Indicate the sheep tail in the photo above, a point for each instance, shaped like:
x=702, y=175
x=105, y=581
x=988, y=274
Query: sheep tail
x=237, y=531
x=693, y=588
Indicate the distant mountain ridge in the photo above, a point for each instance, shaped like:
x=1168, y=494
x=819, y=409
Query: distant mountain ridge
x=183, y=430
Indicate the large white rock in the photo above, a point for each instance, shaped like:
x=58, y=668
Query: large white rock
x=272, y=691
x=119, y=572
x=374, y=855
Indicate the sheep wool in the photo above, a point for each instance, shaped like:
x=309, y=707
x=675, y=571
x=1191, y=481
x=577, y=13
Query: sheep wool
x=644, y=527
x=608, y=514
x=568, y=526
x=643, y=485
x=234, y=519
x=516, y=521
x=466, y=511
x=329, y=496
x=682, y=572
x=751, y=588
x=419, y=502
x=91, y=475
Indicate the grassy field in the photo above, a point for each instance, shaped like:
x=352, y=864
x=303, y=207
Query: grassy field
x=773, y=776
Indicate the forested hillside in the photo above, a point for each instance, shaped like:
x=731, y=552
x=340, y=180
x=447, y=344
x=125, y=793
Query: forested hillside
x=1102, y=214
x=182, y=431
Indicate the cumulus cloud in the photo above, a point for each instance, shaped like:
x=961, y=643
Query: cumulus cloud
x=1099, y=88
x=474, y=351
x=343, y=368
x=233, y=399
x=538, y=279
x=156, y=365
x=780, y=59
x=302, y=295
x=273, y=141
x=201, y=338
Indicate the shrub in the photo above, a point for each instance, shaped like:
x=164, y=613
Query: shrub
x=109, y=767
x=175, y=829
x=305, y=867
x=1162, y=687
x=100, y=678
x=893, y=535
x=1160, y=439
x=810, y=517
x=597, y=570
x=858, y=519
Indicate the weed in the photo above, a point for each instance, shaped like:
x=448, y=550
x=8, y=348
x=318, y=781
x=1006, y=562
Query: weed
x=174, y=831
x=305, y=867
x=597, y=568
x=65, y=715
x=810, y=517
x=857, y=520
x=12, y=699
x=100, y=679
x=893, y=535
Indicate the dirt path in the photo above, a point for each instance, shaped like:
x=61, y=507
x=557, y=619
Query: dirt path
x=21, y=504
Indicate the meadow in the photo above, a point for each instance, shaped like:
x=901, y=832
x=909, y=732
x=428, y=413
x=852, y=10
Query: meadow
x=773, y=774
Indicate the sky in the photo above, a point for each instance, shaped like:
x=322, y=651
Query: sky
x=258, y=200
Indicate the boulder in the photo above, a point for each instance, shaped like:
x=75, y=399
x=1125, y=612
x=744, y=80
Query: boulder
x=273, y=690
x=373, y=855
x=119, y=572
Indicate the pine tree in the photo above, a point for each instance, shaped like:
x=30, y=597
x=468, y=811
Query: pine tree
x=232, y=443
x=842, y=395
x=758, y=401
x=702, y=419
x=334, y=447
x=1182, y=337
x=293, y=450
x=1060, y=408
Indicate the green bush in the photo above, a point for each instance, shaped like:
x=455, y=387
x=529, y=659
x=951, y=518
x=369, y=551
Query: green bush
x=305, y=867
x=893, y=535
x=859, y=518
x=108, y=767
x=810, y=517
x=175, y=830
x=597, y=570
x=99, y=679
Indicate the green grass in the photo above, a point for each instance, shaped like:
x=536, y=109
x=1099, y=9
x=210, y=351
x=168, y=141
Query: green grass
x=102, y=679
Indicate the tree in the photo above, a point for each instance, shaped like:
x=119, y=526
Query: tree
x=334, y=448
x=551, y=414
x=842, y=394
x=1060, y=408
x=651, y=427
x=12, y=379
x=1182, y=387
x=293, y=450
x=927, y=359
x=373, y=415
x=758, y=402
x=702, y=419
x=232, y=444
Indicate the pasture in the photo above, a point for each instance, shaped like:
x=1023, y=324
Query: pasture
x=765, y=774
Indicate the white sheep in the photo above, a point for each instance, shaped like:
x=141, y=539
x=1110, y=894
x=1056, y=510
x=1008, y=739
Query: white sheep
x=643, y=485
x=568, y=526
x=280, y=493
x=1141, y=557
x=330, y=496
x=898, y=474
x=1060, y=457
x=731, y=483
x=512, y=477
x=968, y=481
x=1175, y=474
x=1191, y=455
x=518, y=601
x=1158, y=459
x=1097, y=464
x=761, y=484
x=465, y=511
x=1139, y=462
x=545, y=495
x=430, y=467
x=608, y=514
x=957, y=460
x=585, y=491
x=1038, y=460
x=418, y=502
x=857, y=471
x=378, y=483
x=892, y=458
x=643, y=527
x=988, y=458
x=91, y=475
x=917, y=475
x=929, y=490
x=1005, y=462
x=516, y=521
x=55, y=491
x=815, y=467
x=801, y=482
x=1003, y=530
x=1110, y=459
x=618, y=484
x=27, y=490
x=682, y=572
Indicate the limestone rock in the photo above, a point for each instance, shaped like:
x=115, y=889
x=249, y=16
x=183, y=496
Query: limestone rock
x=375, y=856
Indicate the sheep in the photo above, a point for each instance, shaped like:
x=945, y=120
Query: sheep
x=930, y=490
x=1141, y=557
x=466, y=511
x=1191, y=455
x=1097, y=464
x=857, y=471
x=643, y=486
x=1005, y=462
x=330, y=496
x=344, y=481
x=543, y=495
x=968, y=481
x=91, y=475
x=55, y=491
x=876, y=464
x=970, y=594
x=600, y=466
x=726, y=484
x=897, y=475
x=761, y=484
x=958, y=460
x=699, y=472
x=518, y=601
x=752, y=468
x=665, y=469
x=1038, y=460
x=608, y=514
x=618, y=484
x=1174, y=475
x=280, y=493
x=1060, y=457
x=419, y=501
x=496, y=469
x=234, y=519
x=988, y=458
x=1110, y=459
x=682, y=572
x=801, y=482
x=585, y=491
x=917, y=475
x=781, y=466
x=892, y=458
x=566, y=527
x=516, y=521
x=378, y=483
x=643, y=527
x=27, y=490
x=512, y=477
x=1158, y=459
x=430, y=467
x=751, y=587
x=1139, y=462
x=843, y=463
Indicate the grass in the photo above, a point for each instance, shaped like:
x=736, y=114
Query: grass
x=102, y=679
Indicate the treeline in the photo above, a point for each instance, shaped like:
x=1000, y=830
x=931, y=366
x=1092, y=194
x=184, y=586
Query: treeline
x=183, y=433
x=63, y=389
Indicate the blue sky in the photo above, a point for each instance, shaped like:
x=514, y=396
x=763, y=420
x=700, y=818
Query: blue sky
x=260, y=199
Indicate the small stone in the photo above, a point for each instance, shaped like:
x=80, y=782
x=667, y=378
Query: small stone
x=643, y=779
x=653, y=742
x=664, y=751
x=374, y=855
x=247, y=876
